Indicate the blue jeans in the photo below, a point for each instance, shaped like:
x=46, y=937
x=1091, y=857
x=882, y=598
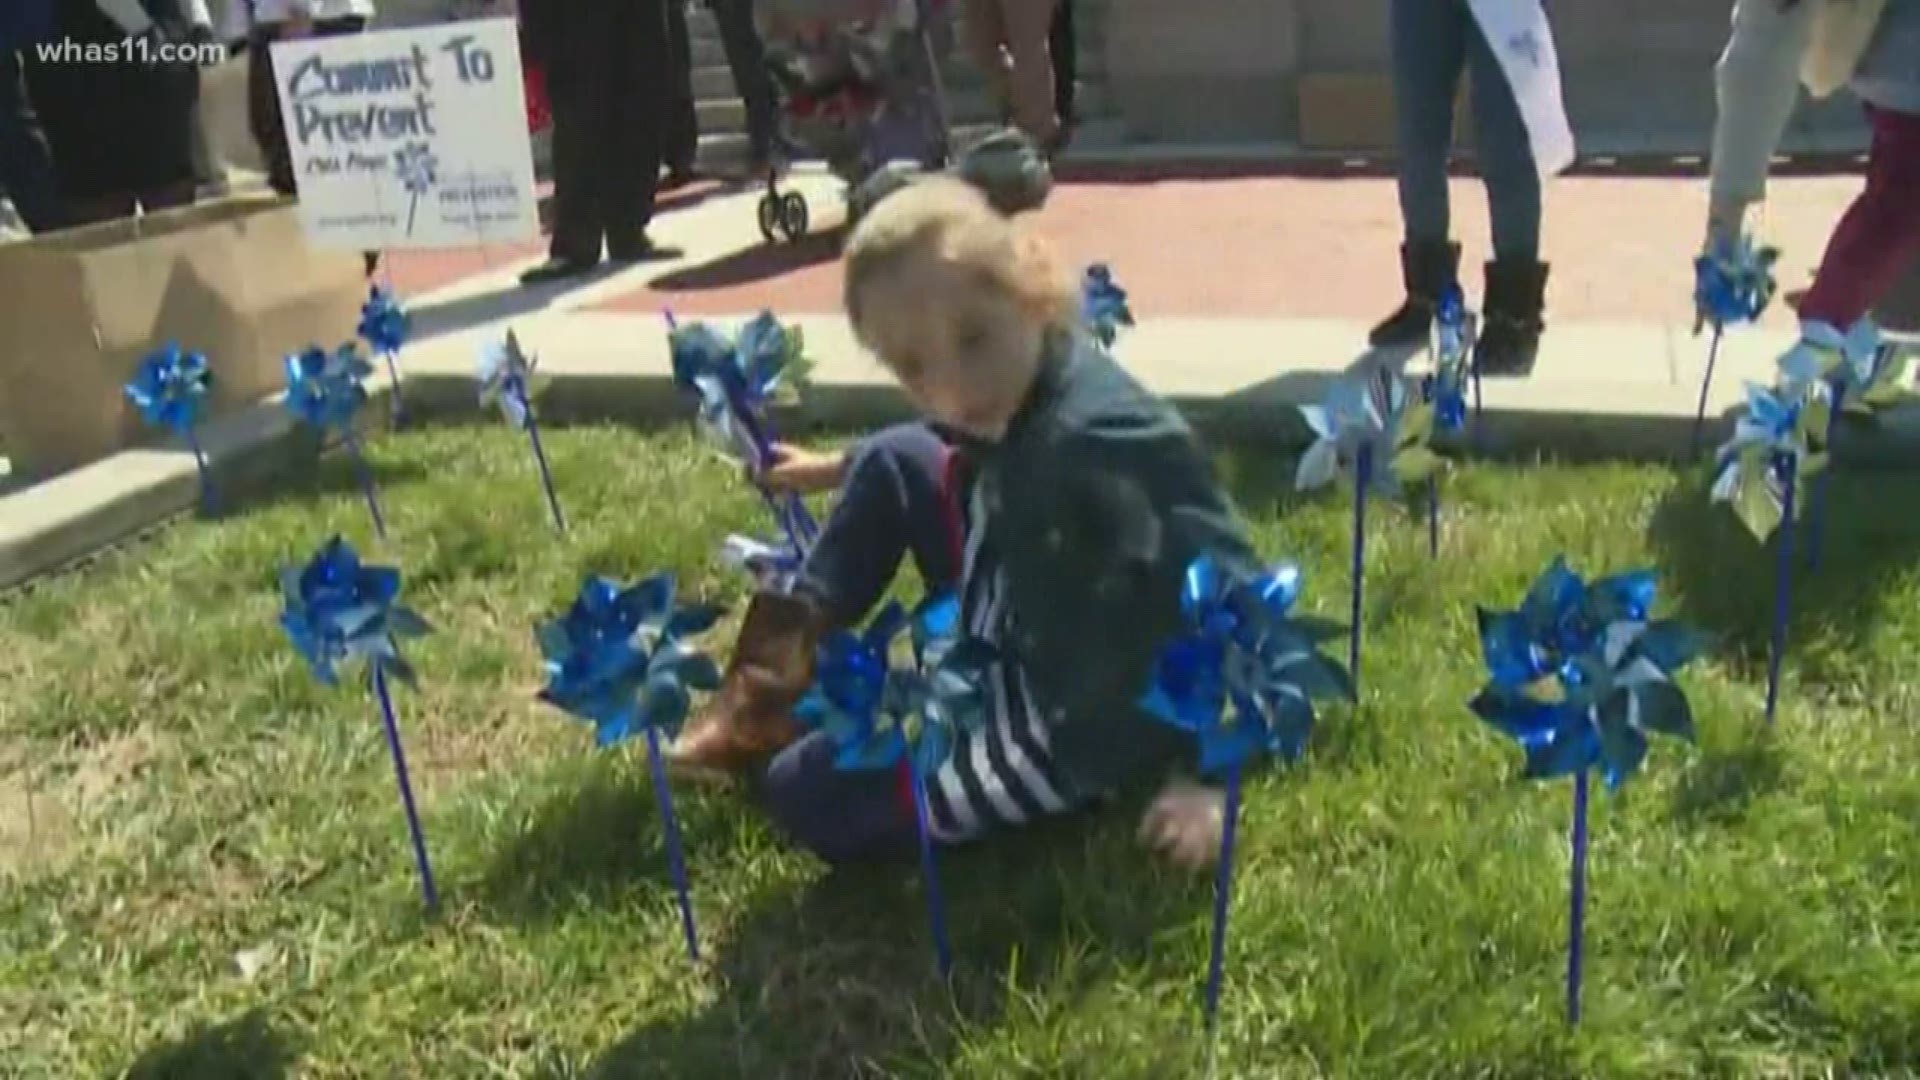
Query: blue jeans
x=892, y=502
x=1434, y=41
x=26, y=167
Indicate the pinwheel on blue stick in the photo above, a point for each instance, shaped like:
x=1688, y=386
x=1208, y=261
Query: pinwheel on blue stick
x=1777, y=448
x=883, y=716
x=1103, y=304
x=618, y=658
x=1455, y=330
x=1367, y=424
x=1864, y=375
x=170, y=390
x=325, y=391
x=506, y=376
x=736, y=382
x=337, y=610
x=385, y=326
x=1732, y=284
x=1581, y=676
x=1242, y=678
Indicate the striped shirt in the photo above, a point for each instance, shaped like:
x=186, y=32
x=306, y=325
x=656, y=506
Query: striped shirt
x=1003, y=773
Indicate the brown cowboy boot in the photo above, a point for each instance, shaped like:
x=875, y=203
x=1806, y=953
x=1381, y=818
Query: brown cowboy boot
x=751, y=718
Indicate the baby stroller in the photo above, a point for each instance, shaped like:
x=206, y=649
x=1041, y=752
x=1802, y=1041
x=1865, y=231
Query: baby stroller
x=859, y=85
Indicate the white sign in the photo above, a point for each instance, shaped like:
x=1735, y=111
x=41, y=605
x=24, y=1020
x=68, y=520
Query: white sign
x=1522, y=40
x=410, y=138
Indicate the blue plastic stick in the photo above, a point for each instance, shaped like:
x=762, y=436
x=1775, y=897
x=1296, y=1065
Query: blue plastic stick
x=1433, y=517
x=1783, y=585
x=207, y=501
x=546, y=475
x=366, y=484
x=427, y=891
x=1222, y=899
x=936, y=904
x=1362, y=480
x=1706, y=384
x=1577, y=917
x=670, y=829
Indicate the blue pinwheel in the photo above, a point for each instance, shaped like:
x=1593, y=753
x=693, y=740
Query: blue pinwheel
x=882, y=717
x=1581, y=676
x=1863, y=374
x=1103, y=304
x=1732, y=284
x=1366, y=419
x=1444, y=389
x=506, y=375
x=1777, y=447
x=337, y=610
x=1241, y=647
x=736, y=382
x=618, y=659
x=418, y=169
x=385, y=326
x=325, y=391
x=170, y=390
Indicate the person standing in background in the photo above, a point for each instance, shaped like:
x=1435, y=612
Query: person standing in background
x=1523, y=138
x=1009, y=42
x=1065, y=49
x=607, y=66
x=122, y=134
x=260, y=23
x=26, y=166
x=682, y=147
x=747, y=59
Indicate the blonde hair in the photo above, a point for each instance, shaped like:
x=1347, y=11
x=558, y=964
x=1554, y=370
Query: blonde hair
x=948, y=219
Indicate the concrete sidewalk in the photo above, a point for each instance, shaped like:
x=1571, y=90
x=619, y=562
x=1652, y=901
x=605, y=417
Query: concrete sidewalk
x=1251, y=291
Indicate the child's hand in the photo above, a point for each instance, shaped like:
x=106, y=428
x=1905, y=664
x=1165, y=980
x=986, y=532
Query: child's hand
x=1184, y=823
x=804, y=471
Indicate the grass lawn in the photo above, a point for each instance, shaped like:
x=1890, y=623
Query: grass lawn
x=214, y=879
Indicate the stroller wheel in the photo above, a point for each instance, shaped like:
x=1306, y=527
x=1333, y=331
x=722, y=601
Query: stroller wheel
x=793, y=215
x=768, y=213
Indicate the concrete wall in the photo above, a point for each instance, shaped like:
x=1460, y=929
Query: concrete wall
x=1638, y=73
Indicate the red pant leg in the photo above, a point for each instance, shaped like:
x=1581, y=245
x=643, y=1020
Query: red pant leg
x=1879, y=236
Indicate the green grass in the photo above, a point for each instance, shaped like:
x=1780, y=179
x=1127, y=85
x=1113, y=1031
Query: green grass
x=1755, y=904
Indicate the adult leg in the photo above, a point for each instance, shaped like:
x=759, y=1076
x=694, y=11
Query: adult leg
x=1065, y=48
x=263, y=110
x=747, y=59
x=841, y=815
x=984, y=23
x=630, y=124
x=1429, y=52
x=1878, y=238
x=1516, y=278
x=891, y=502
x=682, y=144
x=1029, y=23
x=578, y=88
x=26, y=166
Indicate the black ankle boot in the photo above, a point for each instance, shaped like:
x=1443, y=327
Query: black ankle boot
x=1428, y=268
x=1510, y=332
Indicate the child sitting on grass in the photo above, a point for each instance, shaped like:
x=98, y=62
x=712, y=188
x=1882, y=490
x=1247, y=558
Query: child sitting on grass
x=1059, y=500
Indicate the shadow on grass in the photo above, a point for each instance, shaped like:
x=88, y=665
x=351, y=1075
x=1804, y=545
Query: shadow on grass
x=308, y=474
x=839, y=979
x=596, y=845
x=1725, y=579
x=1719, y=786
x=245, y=1048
